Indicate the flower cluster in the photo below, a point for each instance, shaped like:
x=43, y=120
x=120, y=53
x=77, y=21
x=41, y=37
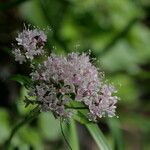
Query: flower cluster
x=30, y=44
x=60, y=80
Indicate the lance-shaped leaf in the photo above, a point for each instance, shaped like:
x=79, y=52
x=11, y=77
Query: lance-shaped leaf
x=97, y=136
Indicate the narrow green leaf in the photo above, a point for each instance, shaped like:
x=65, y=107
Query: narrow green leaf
x=97, y=136
x=80, y=117
x=81, y=112
x=73, y=136
x=116, y=133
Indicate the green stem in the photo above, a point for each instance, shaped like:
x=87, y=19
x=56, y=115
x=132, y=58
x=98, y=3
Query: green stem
x=33, y=114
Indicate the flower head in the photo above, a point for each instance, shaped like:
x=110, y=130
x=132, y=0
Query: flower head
x=30, y=44
x=73, y=74
x=59, y=80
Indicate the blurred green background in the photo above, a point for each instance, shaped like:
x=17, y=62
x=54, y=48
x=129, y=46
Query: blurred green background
x=117, y=32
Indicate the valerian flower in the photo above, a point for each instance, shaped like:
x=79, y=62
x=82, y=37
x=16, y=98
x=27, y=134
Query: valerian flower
x=60, y=80
x=30, y=44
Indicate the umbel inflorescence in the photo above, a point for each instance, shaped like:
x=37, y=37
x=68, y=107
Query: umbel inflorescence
x=60, y=80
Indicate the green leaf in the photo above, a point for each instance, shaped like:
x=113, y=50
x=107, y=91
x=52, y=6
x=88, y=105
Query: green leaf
x=23, y=80
x=97, y=136
x=81, y=112
x=73, y=136
x=80, y=117
x=116, y=133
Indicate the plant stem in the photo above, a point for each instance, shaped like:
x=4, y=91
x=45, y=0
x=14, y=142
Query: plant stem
x=32, y=115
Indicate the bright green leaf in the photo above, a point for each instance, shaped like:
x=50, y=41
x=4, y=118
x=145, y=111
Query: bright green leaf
x=97, y=136
x=73, y=136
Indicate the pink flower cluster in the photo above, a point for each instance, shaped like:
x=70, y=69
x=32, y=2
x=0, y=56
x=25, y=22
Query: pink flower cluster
x=62, y=79
x=60, y=75
x=30, y=44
